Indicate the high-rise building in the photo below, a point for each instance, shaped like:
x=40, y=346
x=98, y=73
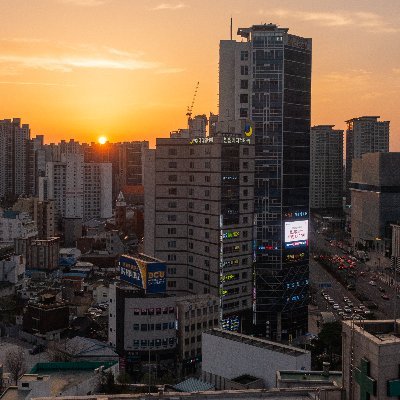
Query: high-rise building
x=14, y=157
x=266, y=80
x=199, y=217
x=375, y=199
x=326, y=178
x=364, y=135
x=80, y=190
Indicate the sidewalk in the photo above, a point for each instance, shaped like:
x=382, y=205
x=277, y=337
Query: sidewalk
x=378, y=264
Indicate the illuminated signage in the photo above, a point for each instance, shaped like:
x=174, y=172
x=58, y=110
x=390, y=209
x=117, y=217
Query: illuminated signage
x=230, y=235
x=293, y=285
x=237, y=140
x=202, y=140
x=229, y=263
x=231, y=323
x=230, y=277
x=295, y=257
x=295, y=214
x=296, y=233
x=148, y=275
x=248, y=130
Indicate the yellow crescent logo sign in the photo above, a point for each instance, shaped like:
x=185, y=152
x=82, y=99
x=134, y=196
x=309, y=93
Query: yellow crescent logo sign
x=248, y=130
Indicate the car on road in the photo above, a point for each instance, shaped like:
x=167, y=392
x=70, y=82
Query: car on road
x=347, y=310
x=336, y=306
x=331, y=301
x=372, y=283
x=385, y=297
x=346, y=299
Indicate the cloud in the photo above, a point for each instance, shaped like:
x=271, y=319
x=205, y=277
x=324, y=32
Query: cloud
x=84, y=3
x=371, y=21
x=169, y=6
x=33, y=83
x=396, y=70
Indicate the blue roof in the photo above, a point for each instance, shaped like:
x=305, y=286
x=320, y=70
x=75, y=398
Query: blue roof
x=193, y=385
x=10, y=214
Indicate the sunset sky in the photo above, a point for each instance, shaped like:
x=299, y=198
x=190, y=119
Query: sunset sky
x=127, y=69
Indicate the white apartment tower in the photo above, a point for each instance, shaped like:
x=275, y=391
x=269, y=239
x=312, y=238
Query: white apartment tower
x=326, y=177
x=80, y=190
x=199, y=216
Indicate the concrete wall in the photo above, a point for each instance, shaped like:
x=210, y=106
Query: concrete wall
x=230, y=359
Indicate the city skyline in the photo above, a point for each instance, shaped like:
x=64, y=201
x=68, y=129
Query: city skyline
x=69, y=70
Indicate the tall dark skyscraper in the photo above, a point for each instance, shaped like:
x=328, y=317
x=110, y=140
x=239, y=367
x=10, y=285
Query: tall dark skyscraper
x=266, y=80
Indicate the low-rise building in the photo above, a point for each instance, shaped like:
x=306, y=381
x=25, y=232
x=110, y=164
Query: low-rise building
x=46, y=318
x=16, y=225
x=227, y=356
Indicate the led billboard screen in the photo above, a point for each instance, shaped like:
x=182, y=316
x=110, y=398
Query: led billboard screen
x=296, y=233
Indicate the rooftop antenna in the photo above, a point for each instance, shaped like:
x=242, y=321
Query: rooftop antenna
x=231, y=27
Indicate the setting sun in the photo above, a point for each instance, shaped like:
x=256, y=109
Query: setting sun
x=102, y=140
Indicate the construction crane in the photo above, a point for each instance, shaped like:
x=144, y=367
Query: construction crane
x=190, y=108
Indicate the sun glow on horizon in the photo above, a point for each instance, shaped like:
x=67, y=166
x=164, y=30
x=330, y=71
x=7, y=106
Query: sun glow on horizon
x=102, y=140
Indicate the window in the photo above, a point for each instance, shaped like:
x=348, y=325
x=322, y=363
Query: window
x=207, y=235
x=244, y=84
x=207, y=193
x=245, y=233
x=171, y=231
x=206, y=221
x=206, y=277
x=172, y=284
x=207, y=178
x=191, y=192
x=245, y=220
x=244, y=98
x=244, y=261
x=191, y=204
x=190, y=218
x=207, y=249
x=190, y=272
x=190, y=258
x=191, y=178
x=206, y=206
x=244, y=55
x=207, y=164
x=245, y=178
x=244, y=113
x=207, y=263
x=172, y=244
x=245, y=151
x=191, y=245
x=171, y=217
x=172, y=191
x=172, y=164
x=172, y=152
x=190, y=231
x=172, y=204
x=191, y=164
x=172, y=178
x=244, y=275
x=191, y=152
x=190, y=286
x=244, y=70
x=171, y=257
x=143, y=327
x=245, y=165
x=245, y=206
x=245, y=247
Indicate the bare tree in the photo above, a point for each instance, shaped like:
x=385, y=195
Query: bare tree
x=15, y=363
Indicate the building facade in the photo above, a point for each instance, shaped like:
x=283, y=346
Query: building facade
x=375, y=199
x=199, y=216
x=266, y=80
x=364, y=135
x=326, y=159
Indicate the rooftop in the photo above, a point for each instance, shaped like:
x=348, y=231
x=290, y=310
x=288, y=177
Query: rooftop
x=258, y=342
x=381, y=332
x=331, y=377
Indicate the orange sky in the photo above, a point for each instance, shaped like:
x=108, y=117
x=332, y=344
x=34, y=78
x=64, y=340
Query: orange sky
x=127, y=69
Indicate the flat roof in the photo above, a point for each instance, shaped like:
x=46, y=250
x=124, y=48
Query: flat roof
x=381, y=332
x=258, y=342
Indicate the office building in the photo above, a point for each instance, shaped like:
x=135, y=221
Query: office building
x=14, y=150
x=364, y=135
x=265, y=80
x=326, y=160
x=375, y=199
x=371, y=359
x=199, y=216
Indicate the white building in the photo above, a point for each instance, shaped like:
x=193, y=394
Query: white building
x=229, y=355
x=14, y=225
x=326, y=180
x=80, y=190
x=12, y=269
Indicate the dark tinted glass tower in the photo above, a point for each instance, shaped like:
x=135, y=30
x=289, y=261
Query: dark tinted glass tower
x=266, y=80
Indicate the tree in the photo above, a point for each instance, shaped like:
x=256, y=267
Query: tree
x=15, y=363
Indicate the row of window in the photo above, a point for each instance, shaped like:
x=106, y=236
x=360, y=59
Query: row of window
x=154, y=327
x=168, y=342
x=172, y=218
x=153, y=311
x=201, y=325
